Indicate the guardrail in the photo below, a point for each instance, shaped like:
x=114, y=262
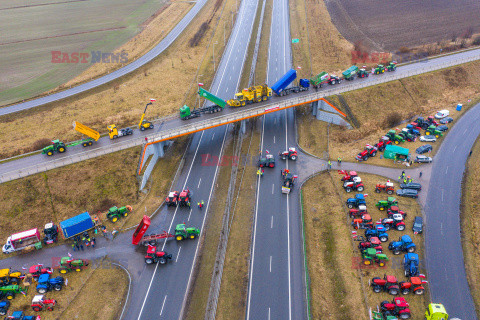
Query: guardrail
x=224, y=119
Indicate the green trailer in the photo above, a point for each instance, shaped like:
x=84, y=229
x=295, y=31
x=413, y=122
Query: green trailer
x=350, y=73
x=211, y=97
x=187, y=113
x=323, y=78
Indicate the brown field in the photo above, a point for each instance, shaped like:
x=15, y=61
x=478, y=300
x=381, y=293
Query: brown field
x=338, y=287
x=390, y=25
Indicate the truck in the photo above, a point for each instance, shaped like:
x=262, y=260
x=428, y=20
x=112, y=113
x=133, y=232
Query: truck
x=280, y=87
x=187, y=113
x=251, y=95
x=76, y=225
x=350, y=73
x=115, y=133
x=323, y=78
x=22, y=240
x=89, y=132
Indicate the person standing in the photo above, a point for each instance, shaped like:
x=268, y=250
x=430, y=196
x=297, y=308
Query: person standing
x=339, y=160
x=329, y=164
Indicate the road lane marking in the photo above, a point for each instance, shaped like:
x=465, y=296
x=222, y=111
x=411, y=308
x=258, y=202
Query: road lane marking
x=268, y=313
x=199, y=181
x=446, y=170
x=178, y=255
x=163, y=305
x=273, y=186
x=189, y=215
x=270, y=263
x=441, y=228
x=454, y=148
x=271, y=223
x=274, y=139
x=465, y=131
x=213, y=135
x=288, y=228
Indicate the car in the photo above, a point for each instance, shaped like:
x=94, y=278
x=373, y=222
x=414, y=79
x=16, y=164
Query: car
x=407, y=193
x=417, y=225
x=411, y=185
x=442, y=114
x=446, y=120
x=423, y=159
x=424, y=148
x=429, y=138
x=442, y=128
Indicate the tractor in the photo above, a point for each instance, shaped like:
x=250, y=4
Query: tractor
x=404, y=244
x=378, y=231
x=436, y=311
x=288, y=181
x=355, y=202
x=51, y=233
x=382, y=143
x=369, y=151
x=355, y=185
x=387, y=284
x=56, y=146
x=370, y=256
x=68, y=264
x=420, y=123
x=18, y=315
x=10, y=291
x=415, y=285
x=394, y=137
x=398, y=307
x=115, y=213
x=37, y=270
x=432, y=130
x=387, y=187
x=431, y=121
x=39, y=303
x=362, y=73
x=406, y=135
x=412, y=130
x=268, y=161
x=154, y=256
x=395, y=222
x=386, y=204
x=45, y=283
x=8, y=277
x=395, y=210
x=355, y=213
x=291, y=154
x=374, y=243
x=185, y=198
x=182, y=232
x=379, y=69
x=4, y=305
x=347, y=176
x=392, y=66
x=410, y=265
x=172, y=199
x=365, y=222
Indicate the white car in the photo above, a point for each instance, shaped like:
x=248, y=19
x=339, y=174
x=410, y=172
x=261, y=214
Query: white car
x=430, y=138
x=442, y=114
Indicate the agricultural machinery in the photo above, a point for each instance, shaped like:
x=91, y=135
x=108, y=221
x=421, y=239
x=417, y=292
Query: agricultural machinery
x=436, y=311
x=355, y=213
x=379, y=232
x=382, y=143
x=415, y=285
x=392, y=66
x=410, y=265
x=45, y=283
x=347, y=176
x=362, y=73
x=371, y=256
x=37, y=270
x=386, y=204
x=39, y=303
x=379, y=69
x=19, y=315
x=51, y=233
x=432, y=130
x=404, y=244
x=431, y=121
x=115, y=213
x=268, y=161
x=182, y=232
x=56, y=146
x=4, y=305
x=369, y=151
x=394, y=137
x=374, y=243
x=355, y=202
x=387, y=187
x=365, y=222
x=10, y=291
x=68, y=264
x=412, y=130
x=185, y=198
x=154, y=256
x=291, y=154
x=172, y=199
x=379, y=316
x=395, y=210
x=288, y=181
x=406, y=135
x=354, y=185
x=387, y=284
x=8, y=277
x=394, y=222
x=398, y=308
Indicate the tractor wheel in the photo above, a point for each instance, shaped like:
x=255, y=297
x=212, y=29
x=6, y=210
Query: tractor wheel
x=115, y=137
x=419, y=291
x=367, y=262
x=142, y=128
x=90, y=143
x=393, y=291
x=40, y=290
x=148, y=260
x=179, y=238
x=63, y=271
x=374, y=153
x=114, y=219
x=61, y=149
x=125, y=214
x=377, y=190
x=10, y=295
x=348, y=189
x=360, y=189
x=407, y=273
x=383, y=239
x=84, y=144
x=437, y=136
x=427, y=133
x=333, y=82
x=293, y=158
x=387, y=226
x=411, y=249
x=192, y=236
x=400, y=227
x=3, y=312
x=397, y=142
x=350, y=206
x=381, y=208
x=14, y=282
x=381, y=264
x=57, y=287
x=377, y=289
x=37, y=309
x=50, y=153
x=50, y=308
x=272, y=165
x=78, y=269
x=162, y=260
x=389, y=191
x=405, y=291
x=396, y=252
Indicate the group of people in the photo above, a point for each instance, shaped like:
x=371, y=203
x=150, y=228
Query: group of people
x=84, y=240
x=406, y=179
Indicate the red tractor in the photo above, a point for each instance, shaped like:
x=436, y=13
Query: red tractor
x=415, y=285
x=154, y=256
x=184, y=198
x=382, y=143
x=365, y=222
x=398, y=308
x=369, y=151
x=291, y=154
x=395, y=222
x=431, y=121
x=172, y=199
x=394, y=210
x=387, y=284
x=355, y=213
x=387, y=187
x=37, y=270
x=355, y=184
x=39, y=303
x=347, y=176
x=373, y=243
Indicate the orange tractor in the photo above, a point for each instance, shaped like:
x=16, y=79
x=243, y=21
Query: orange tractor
x=388, y=187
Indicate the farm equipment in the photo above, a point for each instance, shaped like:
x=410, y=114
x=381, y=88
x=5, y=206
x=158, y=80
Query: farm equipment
x=37, y=270
x=114, y=213
x=280, y=87
x=363, y=73
x=382, y=143
x=291, y=154
x=436, y=311
x=39, y=303
x=288, y=181
x=182, y=232
x=404, y=244
x=386, y=204
x=18, y=315
x=76, y=225
x=412, y=130
x=184, y=198
x=89, y=132
x=374, y=243
x=268, y=161
x=154, y=256
x=144, y=124
x=432, y=130
x=251, y=95
x=388, y=187
x=394, y=137
x=45, y=283
x=365, y=222
x=410, y=265
x=369, y=151
x=4, y=305
x=56, y=146
x=68, y=264
x=392, y=66
x=355, y=185
x=379, y=69
x=115, y=133
x=172, y=199
x=323, y=78
x=370, y=256
x=355, y=202
x=10, y=291
x=405, y=134
x=348, y=176
x=387, y=284
x=51, y=233
x=398, y=308
x=395, y=210
x=378, y=316
x=379, y=231
x=431, y=121
x=354, y=213
x=8, y=277
x=420, y=123
x=350, y=73
x=415, y=285
x=394, y=222
x=187, y=113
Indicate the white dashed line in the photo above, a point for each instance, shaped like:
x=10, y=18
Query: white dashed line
x=270, y=263
x=163, y=305
x=271, y=223
x=199, y=181
x=178, y=255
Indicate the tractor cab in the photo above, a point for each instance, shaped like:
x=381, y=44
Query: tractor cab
x=410, y=264
x=431, y=121
x=355, y=202
x=112, y=131
x=172, y=199
x=184, y=198
x=51, y=233
x=392, y=66
x=268, y=161
x=379, y=69
x=436, y=311
x=362, y=72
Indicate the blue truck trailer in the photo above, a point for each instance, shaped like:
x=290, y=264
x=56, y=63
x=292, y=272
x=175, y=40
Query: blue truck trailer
x=280, y=87
x=76, y=225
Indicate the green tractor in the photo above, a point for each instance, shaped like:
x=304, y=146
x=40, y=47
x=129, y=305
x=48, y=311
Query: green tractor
x=379, y=69
x=362, y=73
x=378, y=316
x=56, y=146
x=115, y=213
x=10, y=291
x=182, y=232
x=392, y=66
x=386, y=204
x=432, y=130
x=394, y=137
x=68, y=264
x=370, y=256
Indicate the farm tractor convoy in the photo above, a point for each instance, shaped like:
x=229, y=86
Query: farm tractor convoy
x=154, y=256
x=291, y=154
x=266, y=162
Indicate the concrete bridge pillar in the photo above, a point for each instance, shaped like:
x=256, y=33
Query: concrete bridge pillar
x=154, y=151
x=325, y=112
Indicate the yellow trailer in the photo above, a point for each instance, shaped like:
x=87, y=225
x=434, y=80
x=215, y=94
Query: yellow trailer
x=89, y=132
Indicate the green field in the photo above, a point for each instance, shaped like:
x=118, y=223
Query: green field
x=38, y=27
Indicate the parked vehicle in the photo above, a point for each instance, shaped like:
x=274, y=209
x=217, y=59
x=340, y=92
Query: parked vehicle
x=411, y=185
x=38, y=269
x=185, y=198
x=365, y=222
x=249, y=95
x=40, y=303
x=8, y=277
x=404, y=244
x=436, y=311
x=442, y=114
x=398, y=307
x=387, y=284
x=268, y=161
x=355, y=202
x=50, y=232
x=417, y=225
x=423, y=159
x=410, y=265
x=4, y=305
x=22, y=240
x=423, y=149
x=350, y=73
x=172, y=199
x=355, y=213
x=442, y=128
x=68, y=264
x=388, y=187
x=370, y=256
x=19, y=315
x=280, y=87
x=114, y=213
x=446, y=120
x=291, y=154
x=369, y=151
x=288, y=181
x=347, y=176
x=355, y=185
x=379, y=232
x=324, y=78
x=394, y=221
x=46, y=283
x=415, y=285
x=76, y=225
x=115, y=133
x=386, y=204
x=9, y=292
x=382, y=143
x=374, y=243
x=428, y=138
x=410, y=193
x=433, y=130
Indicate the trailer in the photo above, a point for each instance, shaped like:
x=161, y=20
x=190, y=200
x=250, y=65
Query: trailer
x=89, y=132
x=76, y=225
x=22, y=240
x=181, y=233
x=187, y=113
x=324, y=78
x=280, y=87
x=350, y=73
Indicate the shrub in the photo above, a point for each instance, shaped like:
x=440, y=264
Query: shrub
x=392, y=120
x=476, y=41
x=40, y=144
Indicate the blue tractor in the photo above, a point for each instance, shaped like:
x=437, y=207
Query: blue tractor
x=357, y=201
x=379, y=231
x=410, y=264
x=45, y=283
x=4, y=305
x=404, y=244
x=19, y=315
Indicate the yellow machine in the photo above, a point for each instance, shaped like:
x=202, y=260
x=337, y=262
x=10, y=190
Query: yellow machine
x=8, y=278
x=251, y=95
x=144, y=124
x=114, y=133
x=89, y=132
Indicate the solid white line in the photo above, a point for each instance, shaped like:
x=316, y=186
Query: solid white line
x=178, y=254
x=271, y=223
x=189, y=215
x=288, y=231
x=454, y=148
x=270, y=263
x=268, y=313
x=273, y=186
x=465, y=131
x=199, y=181
x=163, y=305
